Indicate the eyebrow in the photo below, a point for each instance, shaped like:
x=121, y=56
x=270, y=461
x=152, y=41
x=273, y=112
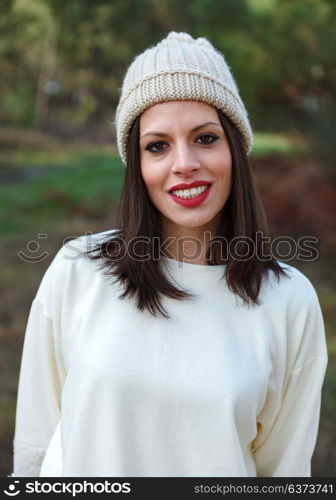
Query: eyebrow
x=162, y=134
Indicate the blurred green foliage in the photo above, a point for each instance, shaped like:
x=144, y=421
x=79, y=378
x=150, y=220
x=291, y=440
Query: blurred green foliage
x=62, y=62
x=85, y=188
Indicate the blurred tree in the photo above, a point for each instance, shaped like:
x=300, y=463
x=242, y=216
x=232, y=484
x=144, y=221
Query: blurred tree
x=46, y=84
x=63, y=61
x=292, y=67
x=21, y=32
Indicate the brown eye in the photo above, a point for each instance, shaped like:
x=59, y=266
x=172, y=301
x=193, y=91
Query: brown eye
x=152, y=145
x=213, y=138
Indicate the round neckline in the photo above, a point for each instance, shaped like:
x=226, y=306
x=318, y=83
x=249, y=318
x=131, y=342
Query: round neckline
x=180, y=265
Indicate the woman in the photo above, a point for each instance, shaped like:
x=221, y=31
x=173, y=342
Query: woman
x=203, y=355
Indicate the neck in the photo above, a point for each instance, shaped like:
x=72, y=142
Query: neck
x=187, y=246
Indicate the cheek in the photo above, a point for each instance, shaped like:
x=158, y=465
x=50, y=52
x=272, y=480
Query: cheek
x=151, y=178
x=223, y=168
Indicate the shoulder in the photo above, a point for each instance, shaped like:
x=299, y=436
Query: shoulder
x=298, y=281
x=294, y=289
x=73, y=250
x=70, y=270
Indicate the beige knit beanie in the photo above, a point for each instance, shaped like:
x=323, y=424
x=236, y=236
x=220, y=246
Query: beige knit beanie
x=179, y=68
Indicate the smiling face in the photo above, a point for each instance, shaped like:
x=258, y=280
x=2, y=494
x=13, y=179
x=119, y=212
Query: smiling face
x=178, y=144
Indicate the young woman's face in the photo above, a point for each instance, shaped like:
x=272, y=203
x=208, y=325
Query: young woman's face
x=178, y=144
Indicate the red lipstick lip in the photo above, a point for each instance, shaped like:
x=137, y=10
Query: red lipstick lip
x=191, y=185
x=191, y=202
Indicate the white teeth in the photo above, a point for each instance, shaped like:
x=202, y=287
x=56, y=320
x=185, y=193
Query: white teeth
x=189, y=193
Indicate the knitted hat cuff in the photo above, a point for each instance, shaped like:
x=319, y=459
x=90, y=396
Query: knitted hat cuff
x=175, y=72
x=179, y=85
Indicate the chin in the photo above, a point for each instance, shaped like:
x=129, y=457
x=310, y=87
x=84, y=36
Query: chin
x=190, y=224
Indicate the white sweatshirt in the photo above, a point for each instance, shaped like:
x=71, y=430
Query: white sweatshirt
x=219, y=389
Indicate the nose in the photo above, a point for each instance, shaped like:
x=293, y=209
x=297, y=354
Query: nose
x=184, y=161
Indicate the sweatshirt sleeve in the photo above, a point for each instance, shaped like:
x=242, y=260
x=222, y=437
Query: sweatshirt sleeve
x=41, y=377
x=288, y=423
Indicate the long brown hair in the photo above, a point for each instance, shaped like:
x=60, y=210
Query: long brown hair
x=137, y=218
